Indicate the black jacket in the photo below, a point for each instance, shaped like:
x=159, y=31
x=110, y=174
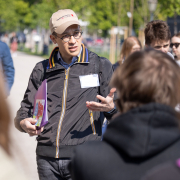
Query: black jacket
x=70, y=121
x=133, y=143
x=166, y=171
x=115, y=66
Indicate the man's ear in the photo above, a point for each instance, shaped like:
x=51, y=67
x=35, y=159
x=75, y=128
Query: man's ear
x=53, y=39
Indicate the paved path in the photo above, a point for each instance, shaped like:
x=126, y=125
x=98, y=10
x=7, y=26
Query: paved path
x=23, y=147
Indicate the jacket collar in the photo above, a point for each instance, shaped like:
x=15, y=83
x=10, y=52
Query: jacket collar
x=83, y=57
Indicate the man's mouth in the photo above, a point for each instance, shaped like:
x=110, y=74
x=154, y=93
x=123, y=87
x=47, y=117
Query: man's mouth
x=73, y=48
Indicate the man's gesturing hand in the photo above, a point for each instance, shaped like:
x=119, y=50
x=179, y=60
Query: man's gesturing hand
x=28, y=125
x=105, y=105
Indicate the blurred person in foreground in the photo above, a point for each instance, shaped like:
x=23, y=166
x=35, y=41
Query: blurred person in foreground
x=7, y=167
x=146, y=133
x=130, y=45
x=175, y=42
x=72, y=74
x=158, y=36
x=165, y=171
x=6, y=66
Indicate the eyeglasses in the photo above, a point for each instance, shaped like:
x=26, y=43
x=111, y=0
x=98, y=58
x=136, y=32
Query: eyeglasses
x=76, y=35
x=174, y=44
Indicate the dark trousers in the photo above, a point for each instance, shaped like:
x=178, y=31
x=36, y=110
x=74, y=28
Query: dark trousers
x=52, y=168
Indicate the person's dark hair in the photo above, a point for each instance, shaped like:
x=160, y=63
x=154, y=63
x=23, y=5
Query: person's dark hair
x=4, y=119
x=177, y=35
x=127, y=47
x=147, y=76
x=54, y=34
x=156, y=31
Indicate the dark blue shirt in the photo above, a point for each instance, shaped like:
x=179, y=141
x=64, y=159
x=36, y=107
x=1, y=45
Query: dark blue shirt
x=64, y=64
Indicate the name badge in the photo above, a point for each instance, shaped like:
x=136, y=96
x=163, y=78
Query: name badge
x=88, y=81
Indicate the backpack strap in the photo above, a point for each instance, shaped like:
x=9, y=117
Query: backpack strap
x=45, y=64
x=96, y=67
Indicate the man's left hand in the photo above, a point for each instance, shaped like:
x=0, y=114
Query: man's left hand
x=105, y=105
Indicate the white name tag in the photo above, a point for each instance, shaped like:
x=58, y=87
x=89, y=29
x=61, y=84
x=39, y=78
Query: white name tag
x=88, y=81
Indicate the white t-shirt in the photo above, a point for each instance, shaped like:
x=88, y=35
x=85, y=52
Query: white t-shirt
x=170, y=54
x=178, y=62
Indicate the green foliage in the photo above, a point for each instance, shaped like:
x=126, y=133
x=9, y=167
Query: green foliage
x=102, y=14
x=41, y=13
x=21, y=13
x=31, y=2
x=6, y=16
x=169, y=7
x=13, y=14
x=141, y=14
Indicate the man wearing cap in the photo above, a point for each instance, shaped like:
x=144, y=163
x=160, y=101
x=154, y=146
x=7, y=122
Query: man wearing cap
x=77, y=79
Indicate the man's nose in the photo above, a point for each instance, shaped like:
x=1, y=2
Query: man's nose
x=163, y=49
x=72, y=39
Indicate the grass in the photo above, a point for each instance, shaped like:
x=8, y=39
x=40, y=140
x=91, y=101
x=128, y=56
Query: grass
x=102, y=53
x=99, y=52
x=28, y=51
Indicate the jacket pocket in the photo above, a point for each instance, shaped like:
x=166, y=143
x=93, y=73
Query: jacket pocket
x=45, y=136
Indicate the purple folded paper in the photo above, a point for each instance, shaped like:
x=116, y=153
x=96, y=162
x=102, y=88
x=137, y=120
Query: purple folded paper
x=40, y=106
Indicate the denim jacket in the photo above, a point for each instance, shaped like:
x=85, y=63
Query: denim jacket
x=6, y=65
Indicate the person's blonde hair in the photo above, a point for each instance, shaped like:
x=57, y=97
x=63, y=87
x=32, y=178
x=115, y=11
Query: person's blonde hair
x=147, y=76
x=127, y=47
x=4, y=118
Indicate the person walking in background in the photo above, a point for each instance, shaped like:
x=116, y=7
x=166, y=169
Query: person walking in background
x=175, y=42
x=7, y=67
x=130, y=45
x=158, y=36
x=7, y=167
x=14, y=44
x=75, y=76
x=146, y=132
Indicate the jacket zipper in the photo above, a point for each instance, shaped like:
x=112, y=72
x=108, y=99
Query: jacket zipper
x=62, y=111
x=92, y=122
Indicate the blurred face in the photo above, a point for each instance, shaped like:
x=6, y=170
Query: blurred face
x=136, y=47
x=161, y=46
x=175, y=45
x=71, y=48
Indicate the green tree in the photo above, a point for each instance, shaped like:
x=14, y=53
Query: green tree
x=169, y=7
x=103, y=15
x=13, y=14
x=141, y=14
x=41, y=13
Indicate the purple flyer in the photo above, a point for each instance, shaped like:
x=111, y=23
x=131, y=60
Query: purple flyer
x=40, y=106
